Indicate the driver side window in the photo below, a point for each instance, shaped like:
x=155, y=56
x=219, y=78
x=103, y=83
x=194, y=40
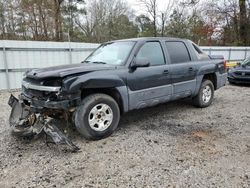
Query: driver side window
x=153, y=52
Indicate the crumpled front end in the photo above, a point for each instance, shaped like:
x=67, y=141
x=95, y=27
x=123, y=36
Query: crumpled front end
x=51, y=96
x=32, y=113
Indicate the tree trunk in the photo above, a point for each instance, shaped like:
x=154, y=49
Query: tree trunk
x=43, y=21
x=243, y=22
x=162, y=24
x=155, y=18
x=35, y=34
x=58, y=19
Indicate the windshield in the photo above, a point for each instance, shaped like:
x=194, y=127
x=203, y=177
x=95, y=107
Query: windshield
x=114, y=53
x=246, y=62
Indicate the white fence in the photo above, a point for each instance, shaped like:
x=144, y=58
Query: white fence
x=18, y=56
x=230, y=53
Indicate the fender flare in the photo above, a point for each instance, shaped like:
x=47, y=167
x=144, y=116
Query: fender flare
x=94, y=82
x=77, y=84
x=207, y=69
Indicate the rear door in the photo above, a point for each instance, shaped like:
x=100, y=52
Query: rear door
x=182, y=69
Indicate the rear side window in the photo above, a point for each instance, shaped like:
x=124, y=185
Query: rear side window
x=153, y=52
x=199, y=53
x=178, y=52
x=197, y=49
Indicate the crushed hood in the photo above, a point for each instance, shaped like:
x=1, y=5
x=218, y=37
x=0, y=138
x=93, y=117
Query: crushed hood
x=66, y=70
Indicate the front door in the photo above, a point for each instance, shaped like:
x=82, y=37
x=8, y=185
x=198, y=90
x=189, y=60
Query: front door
x=151, y=85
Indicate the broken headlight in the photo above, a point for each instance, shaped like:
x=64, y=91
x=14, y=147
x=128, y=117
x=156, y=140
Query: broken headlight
x=53, y=82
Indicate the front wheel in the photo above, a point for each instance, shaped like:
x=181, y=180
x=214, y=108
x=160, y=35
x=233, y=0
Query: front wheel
x=97, y=117
x=205, y=95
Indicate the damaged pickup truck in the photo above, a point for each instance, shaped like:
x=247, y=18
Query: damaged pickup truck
x=117, y=77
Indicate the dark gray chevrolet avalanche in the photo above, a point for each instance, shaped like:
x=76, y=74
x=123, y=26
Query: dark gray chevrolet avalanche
x=117, y=77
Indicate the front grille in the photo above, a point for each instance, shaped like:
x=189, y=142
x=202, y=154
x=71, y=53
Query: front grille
x=40, y=95
x=242, y=74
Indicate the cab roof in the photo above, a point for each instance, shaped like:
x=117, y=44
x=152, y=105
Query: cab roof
x=151, y=39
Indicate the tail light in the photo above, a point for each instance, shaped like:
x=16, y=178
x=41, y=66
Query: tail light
x=225, y=65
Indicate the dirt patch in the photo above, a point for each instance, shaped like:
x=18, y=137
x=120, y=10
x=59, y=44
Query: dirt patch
x=200, y=134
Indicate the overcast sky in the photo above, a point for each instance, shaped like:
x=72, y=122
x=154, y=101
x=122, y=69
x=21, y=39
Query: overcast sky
x=137, y=7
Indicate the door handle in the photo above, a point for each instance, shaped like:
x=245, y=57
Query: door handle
x=165, y=72
x=190, y=69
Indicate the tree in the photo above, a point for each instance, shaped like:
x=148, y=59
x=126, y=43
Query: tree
x=221, y=22
x=165, y=15
x=233, y=19
x=124, y=28
x=243, y=22
x=151, y=9
x=145, y=25
x=71, y=10
x=2, y=19
x=191, y=26
x=177, y=26
x=106, y=20
x=58, y=19
x=35, y=17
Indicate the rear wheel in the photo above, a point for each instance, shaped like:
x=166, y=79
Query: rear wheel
x=97, y=117
x=205, y=95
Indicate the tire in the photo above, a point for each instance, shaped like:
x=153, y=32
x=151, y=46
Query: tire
x=201, y=100
x=97, y=117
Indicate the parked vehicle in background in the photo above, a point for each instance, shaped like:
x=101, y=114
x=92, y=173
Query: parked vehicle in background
x=240, y=73
x=118, y=77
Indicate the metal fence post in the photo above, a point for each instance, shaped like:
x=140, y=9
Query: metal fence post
x=6, y=67
x=229, y=55
x=210, y=51
x=70, y=53
x=245, y=53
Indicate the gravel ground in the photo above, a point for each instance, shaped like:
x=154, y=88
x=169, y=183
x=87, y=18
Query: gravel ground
x=171, y=145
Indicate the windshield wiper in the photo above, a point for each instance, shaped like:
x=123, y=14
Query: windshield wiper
x=98, y=62
x=85, y=62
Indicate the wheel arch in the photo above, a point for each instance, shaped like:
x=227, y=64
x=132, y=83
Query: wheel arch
x=212, y=77
x=118, y=94
x=208, y=76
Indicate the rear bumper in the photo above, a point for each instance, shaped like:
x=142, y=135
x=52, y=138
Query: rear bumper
x=41, y=104
x=221, y=80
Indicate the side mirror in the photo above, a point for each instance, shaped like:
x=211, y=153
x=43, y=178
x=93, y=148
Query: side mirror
x=140, y=62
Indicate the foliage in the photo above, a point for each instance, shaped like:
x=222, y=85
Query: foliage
x=145, y=25
x=210, y=22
